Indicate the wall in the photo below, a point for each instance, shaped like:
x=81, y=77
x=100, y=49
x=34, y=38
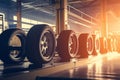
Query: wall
x=29, y=17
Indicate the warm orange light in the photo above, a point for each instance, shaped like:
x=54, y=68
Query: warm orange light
x=74, y=60
x=113, y=22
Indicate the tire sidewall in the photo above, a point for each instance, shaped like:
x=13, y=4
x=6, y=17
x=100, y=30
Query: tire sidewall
x=6, y=36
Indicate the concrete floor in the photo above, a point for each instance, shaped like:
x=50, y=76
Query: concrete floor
x=102, y=67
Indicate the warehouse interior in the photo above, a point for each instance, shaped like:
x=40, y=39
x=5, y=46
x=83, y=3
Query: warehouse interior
x=59, y=39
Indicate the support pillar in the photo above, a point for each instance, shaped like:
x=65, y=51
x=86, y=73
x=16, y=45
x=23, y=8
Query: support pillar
x=18, y=14
x=2, y=19
x=61, y=15
x=104, y=29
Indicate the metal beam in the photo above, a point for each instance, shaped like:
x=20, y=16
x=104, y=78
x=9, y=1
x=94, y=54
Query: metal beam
x=79, y=1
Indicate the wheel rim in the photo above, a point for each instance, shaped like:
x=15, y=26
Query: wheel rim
x=105, y=43
x=89, y=45
x=97, y=45
x=15, y=47
x=72, y=45
x=114, y=44
x=46, y=45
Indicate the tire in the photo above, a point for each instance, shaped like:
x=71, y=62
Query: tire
x=103, y=45
x=67, y=45
x=114, y=44
x=85, y=45
x=40, y=44
x=12, y=46
x=118, y=43
x=110, y=44
x=96, y=43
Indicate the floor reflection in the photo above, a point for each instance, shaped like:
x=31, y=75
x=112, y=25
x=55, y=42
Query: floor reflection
x=104, y=67
x=100, y=67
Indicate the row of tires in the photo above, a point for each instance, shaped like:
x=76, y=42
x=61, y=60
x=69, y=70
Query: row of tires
x=40, y=44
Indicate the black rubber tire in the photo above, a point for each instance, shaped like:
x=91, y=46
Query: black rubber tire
x=114, y=44
x=6, y=49
x=103, y=45
x=85, y=45
x=40, y=44
x=96, y=43
x=110, y=44
x=118, y=43
x=65, y=49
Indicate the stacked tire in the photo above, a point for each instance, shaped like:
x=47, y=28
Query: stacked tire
x=12, y=46
x=110, y=44
x=118, y=43
x=85, y=45
x=96, y=42
x=103, y=45
x=67, y=45
x=40, y=44
x=115, y=44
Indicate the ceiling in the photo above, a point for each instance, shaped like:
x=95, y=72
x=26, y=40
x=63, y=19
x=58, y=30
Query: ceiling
x=91, y=7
